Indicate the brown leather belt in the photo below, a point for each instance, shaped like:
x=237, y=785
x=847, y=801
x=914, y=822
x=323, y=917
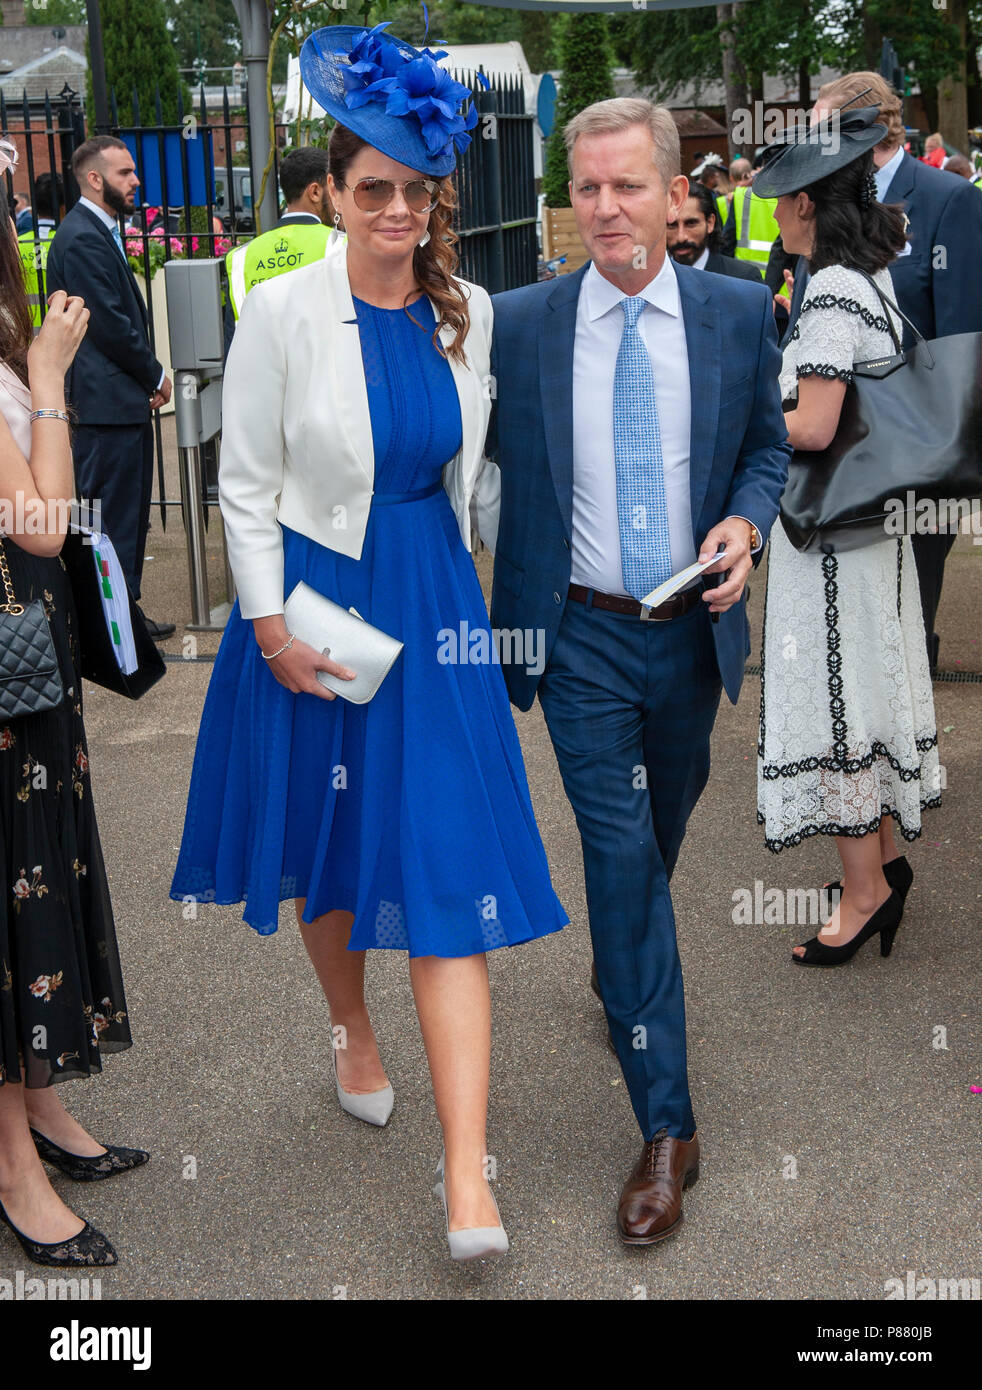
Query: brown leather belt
x=674, y=607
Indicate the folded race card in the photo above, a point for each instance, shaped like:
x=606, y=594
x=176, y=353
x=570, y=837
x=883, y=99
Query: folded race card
x=680, y=580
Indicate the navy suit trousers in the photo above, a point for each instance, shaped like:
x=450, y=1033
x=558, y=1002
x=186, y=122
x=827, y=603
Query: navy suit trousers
x=630, y=707
x=114, y=463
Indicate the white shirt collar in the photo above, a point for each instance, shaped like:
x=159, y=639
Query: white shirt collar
x=105, y=217
x=700, y=264
x=662, y=292
x=884, y=175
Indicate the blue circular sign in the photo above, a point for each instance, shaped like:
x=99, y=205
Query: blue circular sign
x=545, y=103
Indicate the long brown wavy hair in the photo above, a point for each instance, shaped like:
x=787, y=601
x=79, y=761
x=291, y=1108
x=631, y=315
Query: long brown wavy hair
x=16, y=333
x=434, y=264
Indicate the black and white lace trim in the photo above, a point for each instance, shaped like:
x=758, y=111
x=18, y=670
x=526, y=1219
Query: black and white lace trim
x=773, y=771
x=824, y=369
x=839, y=759
x=838, y=301
x=797, y=837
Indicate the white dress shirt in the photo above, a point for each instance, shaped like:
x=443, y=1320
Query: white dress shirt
x=108, y=220
x=700, y=264
x=884, y=175
x=596, y=548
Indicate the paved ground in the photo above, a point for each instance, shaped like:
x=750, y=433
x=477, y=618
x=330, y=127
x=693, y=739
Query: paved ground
x=834, y=1075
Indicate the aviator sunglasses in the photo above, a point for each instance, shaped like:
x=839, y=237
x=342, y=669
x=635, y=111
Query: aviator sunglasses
x=372, y=195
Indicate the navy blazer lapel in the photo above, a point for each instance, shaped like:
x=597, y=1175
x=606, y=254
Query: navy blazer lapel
x=107, y=235
x=557, y=330
x=901, y=186
x=701, y=320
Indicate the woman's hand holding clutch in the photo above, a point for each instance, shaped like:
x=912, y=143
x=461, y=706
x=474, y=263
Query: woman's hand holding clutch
x=296, y=664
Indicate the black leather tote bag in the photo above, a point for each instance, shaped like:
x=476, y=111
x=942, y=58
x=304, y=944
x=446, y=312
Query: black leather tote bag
x=910, y=432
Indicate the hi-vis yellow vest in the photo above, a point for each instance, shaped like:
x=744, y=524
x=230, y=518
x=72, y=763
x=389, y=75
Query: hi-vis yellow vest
x=756, y=227
x=274, y=253
x=32, y=256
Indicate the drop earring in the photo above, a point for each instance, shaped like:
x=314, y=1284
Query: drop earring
x=337, y=222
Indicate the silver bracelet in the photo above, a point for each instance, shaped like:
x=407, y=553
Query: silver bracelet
x=49, y=415
x=272, y=656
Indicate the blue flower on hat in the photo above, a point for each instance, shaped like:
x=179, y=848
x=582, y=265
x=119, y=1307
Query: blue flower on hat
x=416, y=86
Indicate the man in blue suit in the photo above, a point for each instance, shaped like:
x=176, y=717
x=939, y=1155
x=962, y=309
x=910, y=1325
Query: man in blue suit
x=938, y=283
x=115, y=382
x=637, y=426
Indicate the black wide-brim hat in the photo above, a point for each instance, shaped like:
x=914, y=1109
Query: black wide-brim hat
x=806, y=154
x=392, y=95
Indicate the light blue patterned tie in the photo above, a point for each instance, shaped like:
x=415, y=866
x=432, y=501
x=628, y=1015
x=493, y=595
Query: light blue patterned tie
x=642, y=511
x=118, y=239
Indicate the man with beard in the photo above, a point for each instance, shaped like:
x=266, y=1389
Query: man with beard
x=303, y=233
x=694, y=238
x=115, y=381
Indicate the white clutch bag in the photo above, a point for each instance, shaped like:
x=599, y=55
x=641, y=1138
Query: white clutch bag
x=344, y=636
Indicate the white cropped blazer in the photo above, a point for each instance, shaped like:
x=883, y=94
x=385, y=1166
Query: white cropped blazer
x=297, y=436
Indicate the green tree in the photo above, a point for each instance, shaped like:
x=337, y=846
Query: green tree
x=585, y=59
x=139, y=55
x=49, y=13
x=794, y=38
x=206, y=30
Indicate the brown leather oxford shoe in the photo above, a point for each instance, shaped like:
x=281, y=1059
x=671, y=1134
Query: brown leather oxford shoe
x=650, y=1208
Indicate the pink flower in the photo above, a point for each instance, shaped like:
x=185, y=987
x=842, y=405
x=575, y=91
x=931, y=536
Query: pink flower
x=223, y=245
x=194, y=243
x=22, y=889
x=158, y=231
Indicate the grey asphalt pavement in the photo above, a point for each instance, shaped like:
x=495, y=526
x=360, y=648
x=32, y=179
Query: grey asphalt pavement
x=839, y=1134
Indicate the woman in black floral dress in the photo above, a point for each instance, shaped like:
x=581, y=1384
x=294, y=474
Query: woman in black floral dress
x=61, y=990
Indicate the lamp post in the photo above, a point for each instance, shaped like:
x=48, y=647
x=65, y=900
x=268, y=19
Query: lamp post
x=97, y=62
x=253, y=16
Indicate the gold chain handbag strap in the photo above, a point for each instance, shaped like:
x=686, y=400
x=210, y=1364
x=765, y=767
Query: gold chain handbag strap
x=11, y=606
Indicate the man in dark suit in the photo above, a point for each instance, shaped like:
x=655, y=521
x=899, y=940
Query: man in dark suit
x=115, y=381
x=693, y=239
x=22, y=213
x=937, y=283
x=637, y=425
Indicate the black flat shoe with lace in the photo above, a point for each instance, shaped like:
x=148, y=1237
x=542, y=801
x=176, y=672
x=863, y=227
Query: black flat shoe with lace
x=90, y=1247
x=82, y=1169
x=884, y=922
x=897, y=873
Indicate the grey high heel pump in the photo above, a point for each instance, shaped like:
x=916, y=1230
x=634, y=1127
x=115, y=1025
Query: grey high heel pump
x=475, y=1242
x=374, y=1108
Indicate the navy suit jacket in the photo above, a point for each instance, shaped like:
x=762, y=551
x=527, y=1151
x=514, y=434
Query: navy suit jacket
x=738, y=459
x=729, y=265
x=938, y=284
x=114, y=373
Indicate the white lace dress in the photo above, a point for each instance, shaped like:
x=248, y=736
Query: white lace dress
x=847, y=726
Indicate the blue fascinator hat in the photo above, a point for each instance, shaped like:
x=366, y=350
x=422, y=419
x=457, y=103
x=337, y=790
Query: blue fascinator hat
x=392, y=95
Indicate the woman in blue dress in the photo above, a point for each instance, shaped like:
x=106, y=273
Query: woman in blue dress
x=404, y=823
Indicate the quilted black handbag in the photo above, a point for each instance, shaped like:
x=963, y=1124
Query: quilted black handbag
x=910, y=431
x=30, y=678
